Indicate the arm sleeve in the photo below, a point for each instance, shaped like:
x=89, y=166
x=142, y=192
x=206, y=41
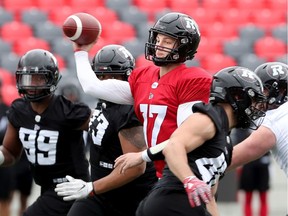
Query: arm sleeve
x=112, y=90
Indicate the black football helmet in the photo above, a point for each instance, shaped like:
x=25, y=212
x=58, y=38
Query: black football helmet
x=239, y=87
x=180, y=27
x=40, y=63
x=113, y=60
x=274, y=76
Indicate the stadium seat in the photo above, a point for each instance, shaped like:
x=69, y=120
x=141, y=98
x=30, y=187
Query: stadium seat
x=22, y=46
x=9, y=62
x=118, y=5
x=5, y=16
x=204, y=17
x=6, y=77
x=119, y=32
x=33, y=16
x=237, y=48
x=10, y=93
x=18, y=5
x=106, y=16
x=283, y=58
x=50, y=5
x=5, y=47
x=270, y=48
x=251, y=33
x=220, y=31
x=213, y=4
x=12, y=30
x=208, y=46
x=151, y=7
x=82, y=5
x=277, y=6
x=133, y=16
x=182, y=5
x=48, y=31
x=215, y=62
x=193, y=63
x=136, y=47
x=251, y=61
x=63, y=47
x=59, y=15
x=250, y=5
x=267, y=18
x=236, y=16
x=280, y=32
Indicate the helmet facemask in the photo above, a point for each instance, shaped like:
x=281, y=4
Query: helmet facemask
x=248, y=106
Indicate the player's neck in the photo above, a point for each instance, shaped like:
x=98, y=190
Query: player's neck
x=166, y=69
x=40, y=107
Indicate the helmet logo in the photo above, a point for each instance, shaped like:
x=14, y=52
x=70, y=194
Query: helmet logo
x=191, y=24
x=247, y=75
x=125, y=52
x=277, y=70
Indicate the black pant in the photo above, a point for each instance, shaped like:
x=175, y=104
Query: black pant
x=167, y=201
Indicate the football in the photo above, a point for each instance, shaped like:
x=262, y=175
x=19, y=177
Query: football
x=82, y=28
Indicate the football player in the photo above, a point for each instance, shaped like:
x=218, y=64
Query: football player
x=163, y=93
x=114, y=129
x=48, y=128
x=199, y=151
x=272, y=135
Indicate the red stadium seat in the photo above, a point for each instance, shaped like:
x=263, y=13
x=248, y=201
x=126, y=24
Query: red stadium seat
x=151, y=7
x=82, y=5
x=12, y=31
x=208, y=46
x=220, y=31
x=182, y=5
x=270, y=48
x=59, y=15
x=277, y=6
x=204, y=17
x=10, y=93
x=100, y=44
x=267, y=18
x=22, y=46
x=119, y=32
x=105, y=15
x=250, y=5
x=215, y=62
x=236, y=16
x=6, y=77
x=219, y=4
x=18, y=5
x=50, y=5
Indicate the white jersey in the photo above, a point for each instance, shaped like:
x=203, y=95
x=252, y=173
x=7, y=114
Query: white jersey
x=276, y=120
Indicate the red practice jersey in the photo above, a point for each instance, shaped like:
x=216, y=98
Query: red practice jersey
x=156, y=100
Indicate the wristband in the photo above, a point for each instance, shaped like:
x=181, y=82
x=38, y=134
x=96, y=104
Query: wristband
x=2, y=158
x=145, y=156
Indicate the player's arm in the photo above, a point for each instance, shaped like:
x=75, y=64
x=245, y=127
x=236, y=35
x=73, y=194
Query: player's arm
x=132, y=159
x=191, y=134
x=132, y=140
x=116, y=91
x=253, y=147
x=11, y=149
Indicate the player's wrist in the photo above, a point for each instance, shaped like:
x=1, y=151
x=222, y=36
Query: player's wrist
x=2, y=158
x=145, y=156
x=91, y=189
x=188, y=179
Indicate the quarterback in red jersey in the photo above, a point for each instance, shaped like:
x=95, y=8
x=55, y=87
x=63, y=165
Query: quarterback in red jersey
x=163, y=93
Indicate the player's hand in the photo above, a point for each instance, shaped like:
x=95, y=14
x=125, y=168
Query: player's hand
x=197, y=190
x=86, y=48
x=128, y=160
x=74, y=189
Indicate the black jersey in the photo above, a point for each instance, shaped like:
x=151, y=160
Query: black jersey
x=104, y=127
x=52, y=141
x=210, y=160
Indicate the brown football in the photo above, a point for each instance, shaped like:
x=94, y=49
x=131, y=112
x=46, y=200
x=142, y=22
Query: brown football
x=82, y=28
